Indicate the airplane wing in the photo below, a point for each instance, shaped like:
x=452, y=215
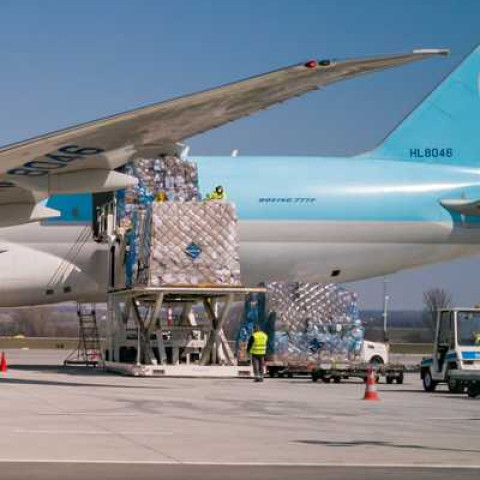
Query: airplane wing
x=82, y=158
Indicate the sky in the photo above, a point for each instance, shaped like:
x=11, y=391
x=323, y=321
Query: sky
x=65, y=62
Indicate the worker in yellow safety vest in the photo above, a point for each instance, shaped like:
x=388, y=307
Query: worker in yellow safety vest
x=257, y=347
x=476, y=338
x=161, y=197
x=218, y=194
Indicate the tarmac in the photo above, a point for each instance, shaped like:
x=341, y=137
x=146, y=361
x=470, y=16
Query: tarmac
x=56, y=421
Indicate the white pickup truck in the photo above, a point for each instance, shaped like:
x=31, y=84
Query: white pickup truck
x=375, y=353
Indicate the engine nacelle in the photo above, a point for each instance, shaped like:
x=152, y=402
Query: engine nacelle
x=91, y=180
x=18, y=213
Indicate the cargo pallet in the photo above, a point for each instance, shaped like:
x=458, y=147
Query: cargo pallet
x=338, y=372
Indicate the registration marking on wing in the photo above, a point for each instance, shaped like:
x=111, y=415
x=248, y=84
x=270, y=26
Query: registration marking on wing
x=55, y=160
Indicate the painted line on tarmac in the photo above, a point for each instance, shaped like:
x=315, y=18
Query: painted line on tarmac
x=453, y=419
x=71, y=414
x=248, y=464
x=87, y=432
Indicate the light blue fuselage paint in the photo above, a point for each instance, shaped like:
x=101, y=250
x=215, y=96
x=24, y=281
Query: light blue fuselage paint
x=321, y=189
x=342, y=189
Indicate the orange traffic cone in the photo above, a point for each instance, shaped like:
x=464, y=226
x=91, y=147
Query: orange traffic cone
x=3, y=363
x=371, y=386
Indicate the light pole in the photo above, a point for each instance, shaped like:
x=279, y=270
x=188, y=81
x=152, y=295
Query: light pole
x=385, y=309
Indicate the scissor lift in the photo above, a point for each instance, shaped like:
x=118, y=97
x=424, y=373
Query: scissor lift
x=159, y=345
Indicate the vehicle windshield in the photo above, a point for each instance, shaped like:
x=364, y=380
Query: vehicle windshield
x=468, y=328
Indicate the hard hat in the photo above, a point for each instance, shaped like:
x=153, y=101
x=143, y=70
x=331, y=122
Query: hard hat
x=219, y=189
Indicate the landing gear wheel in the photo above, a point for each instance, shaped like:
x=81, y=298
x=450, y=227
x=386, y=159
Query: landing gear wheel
x=400, y=379
x=337, y=380
x=429, y=384
x=454, y=386
x=389, y=380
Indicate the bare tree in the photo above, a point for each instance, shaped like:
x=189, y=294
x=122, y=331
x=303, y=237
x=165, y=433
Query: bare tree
x=49, y=321
x=435, y=299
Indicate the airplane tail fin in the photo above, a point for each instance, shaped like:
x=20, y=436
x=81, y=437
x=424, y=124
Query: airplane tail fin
x=445, y=127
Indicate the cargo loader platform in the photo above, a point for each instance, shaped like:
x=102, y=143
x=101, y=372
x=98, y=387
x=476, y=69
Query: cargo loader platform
x=174, y=273
x=167, y=338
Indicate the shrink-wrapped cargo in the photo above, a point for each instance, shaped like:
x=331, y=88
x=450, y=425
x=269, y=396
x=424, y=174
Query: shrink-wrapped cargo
x=306, y=322
x=172, y=237
x=193, y=243
x=315, y=322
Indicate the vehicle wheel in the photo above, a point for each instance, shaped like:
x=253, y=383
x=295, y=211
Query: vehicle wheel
x=337, y=379
x=326, y=379
x=272, y=373
x=429, y=384
x=289, y=374
x=389, y=380
x=454, y=386
x=400, y=379
x=376, y=361
x=473, y=389
x=314, y=378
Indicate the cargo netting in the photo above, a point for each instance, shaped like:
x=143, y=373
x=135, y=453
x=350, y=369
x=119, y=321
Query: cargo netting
x=171, y=235
x=306, y=322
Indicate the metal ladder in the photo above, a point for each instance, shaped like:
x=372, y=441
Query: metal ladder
x=89, y=349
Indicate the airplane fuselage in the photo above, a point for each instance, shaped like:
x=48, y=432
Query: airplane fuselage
x=300, y=219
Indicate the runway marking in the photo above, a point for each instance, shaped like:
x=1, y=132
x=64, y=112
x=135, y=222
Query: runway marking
x=456, y=419
x=250, y=464
x=94, y=414
x=88, y=432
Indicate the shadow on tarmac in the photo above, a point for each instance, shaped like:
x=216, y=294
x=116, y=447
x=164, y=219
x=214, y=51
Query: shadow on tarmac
x=24, y=381
x=63, y=369
x=374, y=443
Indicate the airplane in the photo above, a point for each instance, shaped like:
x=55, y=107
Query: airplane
x=412, y=201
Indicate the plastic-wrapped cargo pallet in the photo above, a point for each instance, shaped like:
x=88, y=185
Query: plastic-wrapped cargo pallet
x=173, y=237
x=168, y=176
x=315, y=322
x=194, y=243
x=309, y=322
